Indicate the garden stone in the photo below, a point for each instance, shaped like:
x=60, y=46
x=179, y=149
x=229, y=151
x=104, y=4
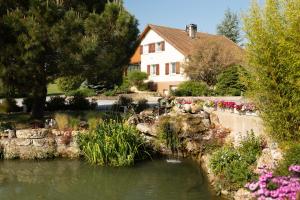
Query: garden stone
x=22, y=142
x=243, y=194
x=11, y=134
x=32, y=133
x=146, y=129
x=269, y=159
x=193, y=147
x=38, y=142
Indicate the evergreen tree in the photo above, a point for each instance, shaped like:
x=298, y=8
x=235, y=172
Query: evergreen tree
x=230, y=26
x=42, y=40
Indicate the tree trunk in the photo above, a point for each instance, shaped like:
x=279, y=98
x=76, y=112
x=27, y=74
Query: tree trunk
x=39, y=101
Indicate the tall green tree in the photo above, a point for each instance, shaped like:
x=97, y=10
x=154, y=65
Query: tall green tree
x=43, y=40
x=230, y=26
x=274, y=64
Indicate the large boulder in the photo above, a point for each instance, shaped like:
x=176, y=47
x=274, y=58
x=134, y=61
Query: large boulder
x=147, y=129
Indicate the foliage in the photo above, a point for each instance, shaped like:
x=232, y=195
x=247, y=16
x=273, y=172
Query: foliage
x=142, y=104
x=87, y=92
x=229, y=82
x=209, y=58
x=9, y=105
x=124, y=88
x=230, y=26
x=192, y=88
x=79, y=102
x=6, y=125
x=168, y=133
x=69, y=83
x=62, y=121
x=123, y=102
x=56, y=103
x=113, y=144
x=137, y=78
x=291, y=157
x=234, y=165
x=44, y=40
x=273, y=50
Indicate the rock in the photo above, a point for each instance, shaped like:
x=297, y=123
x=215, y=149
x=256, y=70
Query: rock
x=192, y=126
x=32, y=133
x=269, y=159
x=146, y=129
x=83, y=125
x=193, y=147
x=38, y=142
x=187, y=108
x=11, y=134
x=195, y=108
x=214, y=119
x=22, y=142
x=57, y=132
x=243, y=194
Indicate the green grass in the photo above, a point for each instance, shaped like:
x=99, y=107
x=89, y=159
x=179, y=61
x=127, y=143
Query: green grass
x=53, y=89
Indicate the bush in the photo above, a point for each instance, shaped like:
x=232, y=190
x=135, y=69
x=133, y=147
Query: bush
x=87, y=92
x=234, y=165
x=62, y=121
x=229, y=82
x=274, y=66
x=69, y=83
x=142, y=104
x=112, y=144
x=291, y=157
x=79, y=102
x=192, y=88
x=122, y=89
x=137, y=78
x=6, y=125
x=9, y=105
x=56, y=103
x=123, y=101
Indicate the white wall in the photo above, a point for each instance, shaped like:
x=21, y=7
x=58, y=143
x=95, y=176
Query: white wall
x=169, y=55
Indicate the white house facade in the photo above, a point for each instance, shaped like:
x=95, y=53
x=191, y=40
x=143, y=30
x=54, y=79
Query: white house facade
x=163, y=51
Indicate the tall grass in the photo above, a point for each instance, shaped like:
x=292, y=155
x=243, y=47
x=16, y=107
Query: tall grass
x=113, y=143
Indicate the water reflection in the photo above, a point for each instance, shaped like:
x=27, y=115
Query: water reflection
x=63, y=179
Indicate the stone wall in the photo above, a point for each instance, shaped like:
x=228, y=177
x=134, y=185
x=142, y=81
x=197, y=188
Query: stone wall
x=40, y=144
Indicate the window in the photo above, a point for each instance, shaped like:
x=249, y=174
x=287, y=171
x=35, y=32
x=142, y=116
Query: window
x=160, y=46
x=173, y=68
x=152, y=48
x=153, y=70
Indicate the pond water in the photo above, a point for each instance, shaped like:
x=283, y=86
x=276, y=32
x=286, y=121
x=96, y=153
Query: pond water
x=76, y=180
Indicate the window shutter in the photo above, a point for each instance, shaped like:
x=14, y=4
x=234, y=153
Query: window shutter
x=163, y=46
x=148, y=69
x=157, y=69
x=177, y=68
x=167, y=68
x=141, y=49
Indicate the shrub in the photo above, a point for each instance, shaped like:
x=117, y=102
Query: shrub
x=6, y=125
x=69, y=83
x=137, y=78
x=274, y=66
x=112, y=144
x=234, y=165
x=229, y=82
x=142, y=104
x=291, y=157
x=122, y=89
x=56, y=103
x=87, y=92
x=79, y=102
x=123, y=101
x=9, y=105
x=192, y=88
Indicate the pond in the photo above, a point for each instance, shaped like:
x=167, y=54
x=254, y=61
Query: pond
x=77, y=180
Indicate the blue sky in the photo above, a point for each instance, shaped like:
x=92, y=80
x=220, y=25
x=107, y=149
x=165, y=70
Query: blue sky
x=178, y=13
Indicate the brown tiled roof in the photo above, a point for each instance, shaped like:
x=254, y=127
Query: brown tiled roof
x=185, y=44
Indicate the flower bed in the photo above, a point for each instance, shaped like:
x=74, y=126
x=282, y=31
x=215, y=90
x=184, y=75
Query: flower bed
x=234, y=107
x=276, y=187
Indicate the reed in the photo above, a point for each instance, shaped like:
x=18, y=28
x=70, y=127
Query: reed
x=113, y=143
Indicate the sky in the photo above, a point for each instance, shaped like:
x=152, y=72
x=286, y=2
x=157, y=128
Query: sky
x=207, y=14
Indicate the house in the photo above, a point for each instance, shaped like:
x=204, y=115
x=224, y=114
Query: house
x=163, y=52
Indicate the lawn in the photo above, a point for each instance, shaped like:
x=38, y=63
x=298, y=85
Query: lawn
x=53, y=89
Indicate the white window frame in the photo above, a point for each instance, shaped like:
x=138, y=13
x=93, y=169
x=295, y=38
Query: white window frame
x=153, y=70
x=158, y=46
x=171, y=72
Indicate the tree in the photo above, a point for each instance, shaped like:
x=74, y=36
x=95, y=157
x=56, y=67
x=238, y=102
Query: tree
x=210, y=57
x=273, y=50
x=137, y=78
x=230, y=26
x=44, y=40
x=229, y=82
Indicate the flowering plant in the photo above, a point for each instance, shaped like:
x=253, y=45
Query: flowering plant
x=280, y=187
